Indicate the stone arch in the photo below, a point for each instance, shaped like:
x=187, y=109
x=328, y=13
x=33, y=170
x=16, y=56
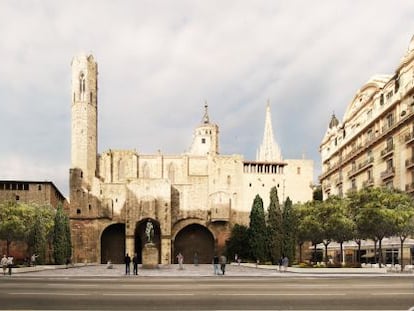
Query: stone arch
x=140, y=237
x=194, y=239
x=113, y=243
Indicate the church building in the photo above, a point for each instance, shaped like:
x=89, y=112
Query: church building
x=192, y=199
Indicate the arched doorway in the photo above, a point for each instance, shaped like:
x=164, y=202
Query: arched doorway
x=194, y=239
x=141, y=238
x=113, y=244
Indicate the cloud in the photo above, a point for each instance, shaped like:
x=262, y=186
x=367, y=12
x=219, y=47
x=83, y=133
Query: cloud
x=159, y=61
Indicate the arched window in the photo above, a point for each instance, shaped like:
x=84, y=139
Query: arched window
x=82, y=86
x=171, y=172
x=145, y=170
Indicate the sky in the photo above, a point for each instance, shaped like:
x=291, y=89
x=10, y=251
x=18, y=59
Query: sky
x=159, y=62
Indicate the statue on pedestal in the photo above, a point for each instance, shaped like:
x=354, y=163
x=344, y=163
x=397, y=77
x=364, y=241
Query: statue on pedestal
x=149, y=231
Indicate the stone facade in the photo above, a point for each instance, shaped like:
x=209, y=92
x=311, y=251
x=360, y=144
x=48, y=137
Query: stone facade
x=373, y=145
x=193, y=199
x=33, y=192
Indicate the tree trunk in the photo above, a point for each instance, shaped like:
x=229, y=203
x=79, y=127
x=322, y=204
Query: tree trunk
x=402, y=239
x=359, y=251
x=300, y=252
x=341, y=257
x=375, y=251
x=326, y=253
x=8, y=242
x=380, y=259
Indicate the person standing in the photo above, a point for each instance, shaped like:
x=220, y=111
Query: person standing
x=33, y=260
x=223, y=261
x=135, y=263
x=127, y=264
x=10, y=264
x=180, y=259
x=285, y=263
x=216, y=264
x=3, y=263
x=195, y=259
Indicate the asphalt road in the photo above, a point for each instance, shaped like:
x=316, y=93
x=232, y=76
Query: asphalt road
x=207, y=293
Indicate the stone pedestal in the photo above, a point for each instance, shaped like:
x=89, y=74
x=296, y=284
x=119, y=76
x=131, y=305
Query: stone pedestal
x=150, y=256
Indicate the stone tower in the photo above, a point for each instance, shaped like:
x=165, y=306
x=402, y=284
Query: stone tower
x=205, y=139
x=269, y=150
x=84, y=117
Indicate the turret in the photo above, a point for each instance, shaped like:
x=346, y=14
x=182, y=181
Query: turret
x=205, y=139
x=84, y=116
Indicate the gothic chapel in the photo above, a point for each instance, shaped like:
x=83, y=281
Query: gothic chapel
x=192, y=199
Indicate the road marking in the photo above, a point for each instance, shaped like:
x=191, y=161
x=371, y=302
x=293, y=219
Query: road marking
x=49, y=294
x=140, y=294
x=390, y=294
x=71, y=285
x=281, y=294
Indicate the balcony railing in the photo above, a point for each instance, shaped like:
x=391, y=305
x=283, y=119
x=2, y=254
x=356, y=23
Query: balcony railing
x=387, y=151
x=409, y=187
x=361, y=166
x=388, y=173
x=368, y=183
x=409, y=138
x=409, y=163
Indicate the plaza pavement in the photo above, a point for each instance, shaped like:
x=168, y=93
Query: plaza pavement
x=203, y=270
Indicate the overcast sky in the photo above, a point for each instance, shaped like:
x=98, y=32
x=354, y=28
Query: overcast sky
x=159, y=61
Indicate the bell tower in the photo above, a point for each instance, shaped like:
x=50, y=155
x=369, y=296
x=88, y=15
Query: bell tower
x=84, y=116
x=205, y=139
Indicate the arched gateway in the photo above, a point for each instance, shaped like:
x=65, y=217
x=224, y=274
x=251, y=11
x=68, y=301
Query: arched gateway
x=194, y=239
x=141, y=238
x=113, y=244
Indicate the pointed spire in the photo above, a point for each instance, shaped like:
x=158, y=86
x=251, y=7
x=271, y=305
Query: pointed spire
x=269, y=150
x=206, y=119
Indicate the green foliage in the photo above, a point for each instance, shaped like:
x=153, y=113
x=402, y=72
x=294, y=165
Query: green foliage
x=14, y=222
x=317, y=193
x=61, y=237
x=274, y=227
x=238, y=243
x=41, y=232
x=257, y=230
x=289, y=222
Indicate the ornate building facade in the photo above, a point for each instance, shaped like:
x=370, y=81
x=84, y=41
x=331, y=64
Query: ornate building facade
x=193, y=199
x=374, y=143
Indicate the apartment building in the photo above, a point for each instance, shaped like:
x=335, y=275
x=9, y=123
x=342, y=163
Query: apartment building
x=373, y=145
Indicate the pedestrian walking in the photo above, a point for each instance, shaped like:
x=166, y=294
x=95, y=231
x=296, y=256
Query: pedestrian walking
x=180, y=259
x=33, y=260
x=135, y=263
x=280, y=264
x=223, y=261
x=3, y=263
x=10, y=264
x=127, y=264
x=195, y=259
x=285, y=263
x=216, y=264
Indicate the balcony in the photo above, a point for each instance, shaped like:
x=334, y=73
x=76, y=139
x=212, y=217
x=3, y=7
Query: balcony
x=409, y=163
x=409, y=187
x=368, y=162
x=368, y=183
x=388, y=173
x=338, y=181
x=409, y=138
x=327, y=186
x=387, y=151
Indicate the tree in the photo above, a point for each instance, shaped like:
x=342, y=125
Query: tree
x=310, y=225
x=275, y=227
x=289, y=230
x=238, y=242
x=61, y=237
x=14, y=220
x=41, y=231
x=257, y=230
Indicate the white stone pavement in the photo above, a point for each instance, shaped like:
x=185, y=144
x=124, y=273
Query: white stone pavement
x=204, y=270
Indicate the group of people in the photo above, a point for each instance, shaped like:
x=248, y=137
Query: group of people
x=219, y=264
x=283, y=263
x=128, y=264
x=7, y=263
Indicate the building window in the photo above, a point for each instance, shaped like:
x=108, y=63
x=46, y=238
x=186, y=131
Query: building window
x=90, y=207
x=17, y=198
x=203, y=140
x=298, y=170
x=389, y=164
x=39, y=187
x=26, y=187
x=78, y=211
x=382, y=99
x=353, y=184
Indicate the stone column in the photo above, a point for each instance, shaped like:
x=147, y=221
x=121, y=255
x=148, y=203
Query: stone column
x=165, y=250
x=130, y=245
